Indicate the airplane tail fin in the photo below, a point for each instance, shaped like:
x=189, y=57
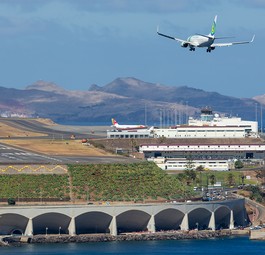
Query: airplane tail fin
x=114, y=122
x=213, y=27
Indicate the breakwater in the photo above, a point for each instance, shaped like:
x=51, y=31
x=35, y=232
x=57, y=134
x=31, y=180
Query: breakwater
x=169, y=235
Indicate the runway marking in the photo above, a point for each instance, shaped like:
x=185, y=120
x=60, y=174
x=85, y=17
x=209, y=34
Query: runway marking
x=34, y=168
x=15, y=155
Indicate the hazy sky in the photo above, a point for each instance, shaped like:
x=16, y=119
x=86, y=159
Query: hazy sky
x=75, y=43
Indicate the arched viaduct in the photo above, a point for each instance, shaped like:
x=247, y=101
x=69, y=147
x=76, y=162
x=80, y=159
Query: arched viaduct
x=115, y=219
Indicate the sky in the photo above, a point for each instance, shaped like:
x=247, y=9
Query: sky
x=76, y=43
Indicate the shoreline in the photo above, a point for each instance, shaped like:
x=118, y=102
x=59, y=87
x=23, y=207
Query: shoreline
x=168, y=235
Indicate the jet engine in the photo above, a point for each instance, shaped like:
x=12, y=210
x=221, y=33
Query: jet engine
x=184, y=44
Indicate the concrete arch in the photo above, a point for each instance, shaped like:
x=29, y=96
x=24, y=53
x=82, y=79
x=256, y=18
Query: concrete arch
x=199, y=217
x=222, y=217
x=168, y=219
x=240, y=216
x=92, y=222
x=132, y=220
x=51, y=223
x=12, y=223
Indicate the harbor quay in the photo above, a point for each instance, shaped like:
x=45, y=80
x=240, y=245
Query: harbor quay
x=117, y=219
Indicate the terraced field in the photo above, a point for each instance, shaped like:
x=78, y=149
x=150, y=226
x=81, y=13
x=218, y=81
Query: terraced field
x=95, y=182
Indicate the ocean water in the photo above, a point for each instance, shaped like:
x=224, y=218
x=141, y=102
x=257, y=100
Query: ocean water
x=217, y=246
x=85, y=123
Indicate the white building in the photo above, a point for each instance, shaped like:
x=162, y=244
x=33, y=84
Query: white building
x=211, y=126
x=210, y=119
x=204, y=151
x=180, y=164
x=140, y=133
x=201, y=132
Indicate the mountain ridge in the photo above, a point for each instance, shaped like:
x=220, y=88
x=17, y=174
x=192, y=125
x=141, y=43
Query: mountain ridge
x=127, y=99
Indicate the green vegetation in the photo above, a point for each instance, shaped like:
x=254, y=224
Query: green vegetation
x=205, y=178
x=125, y=182
x=33, y=186
x=11, y=201
x=142, y=181
x=256, y=193
x=239, y=164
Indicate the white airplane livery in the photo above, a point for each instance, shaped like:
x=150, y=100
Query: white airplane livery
x=127, y=127
x=206, y=41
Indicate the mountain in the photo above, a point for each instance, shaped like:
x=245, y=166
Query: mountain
x=127, y=99
x=196, y=98
x=260, y=99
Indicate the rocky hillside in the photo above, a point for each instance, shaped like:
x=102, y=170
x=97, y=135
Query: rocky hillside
x=127, y=99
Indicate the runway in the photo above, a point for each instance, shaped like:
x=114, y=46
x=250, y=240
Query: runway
x=12, y=155
x=55, y=131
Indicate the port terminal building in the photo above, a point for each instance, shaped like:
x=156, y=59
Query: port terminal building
x=210, y=156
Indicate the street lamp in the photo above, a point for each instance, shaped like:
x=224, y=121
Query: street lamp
x=46, y=231
x=60, y=230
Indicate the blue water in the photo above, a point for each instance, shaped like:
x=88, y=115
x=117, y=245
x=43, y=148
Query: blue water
x=85, y=123
x=231, y=245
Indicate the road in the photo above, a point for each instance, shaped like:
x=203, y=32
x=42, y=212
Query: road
x=258, y=209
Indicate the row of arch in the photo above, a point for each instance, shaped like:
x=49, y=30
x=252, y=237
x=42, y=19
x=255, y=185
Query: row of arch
x=128, y=221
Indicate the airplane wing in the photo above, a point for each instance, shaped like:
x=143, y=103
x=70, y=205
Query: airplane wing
x=174, y=38
x=232, y=43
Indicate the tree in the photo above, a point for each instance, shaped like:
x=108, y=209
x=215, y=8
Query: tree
x=239, y=164
x=260, y=174
x=189, y=165
x=189, y=171
x=230, y=179
x=200, y=168
x=212, y=179
x=11, y=201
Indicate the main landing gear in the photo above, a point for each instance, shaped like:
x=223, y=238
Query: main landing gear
x=210, y=49
x=192, y=49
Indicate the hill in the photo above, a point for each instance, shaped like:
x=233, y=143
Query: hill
x=127, y=99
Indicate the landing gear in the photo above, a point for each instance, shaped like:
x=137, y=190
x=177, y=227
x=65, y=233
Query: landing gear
x=192, y=49
x=210, y=49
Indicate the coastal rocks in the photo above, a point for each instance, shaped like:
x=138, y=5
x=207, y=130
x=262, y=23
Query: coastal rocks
x=170, y=235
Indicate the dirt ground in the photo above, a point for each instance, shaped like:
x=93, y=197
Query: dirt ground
x=69, y=147
x=56, y=147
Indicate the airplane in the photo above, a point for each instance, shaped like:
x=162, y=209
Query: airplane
x=126, y=127
x=199, y=40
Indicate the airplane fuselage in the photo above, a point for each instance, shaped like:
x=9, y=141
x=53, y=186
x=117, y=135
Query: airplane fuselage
x=124, y=127
x=200, y=41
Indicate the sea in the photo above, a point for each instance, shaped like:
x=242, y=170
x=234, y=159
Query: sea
x=215, y=246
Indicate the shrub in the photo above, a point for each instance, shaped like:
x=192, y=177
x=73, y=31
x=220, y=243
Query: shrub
x=11, y=201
